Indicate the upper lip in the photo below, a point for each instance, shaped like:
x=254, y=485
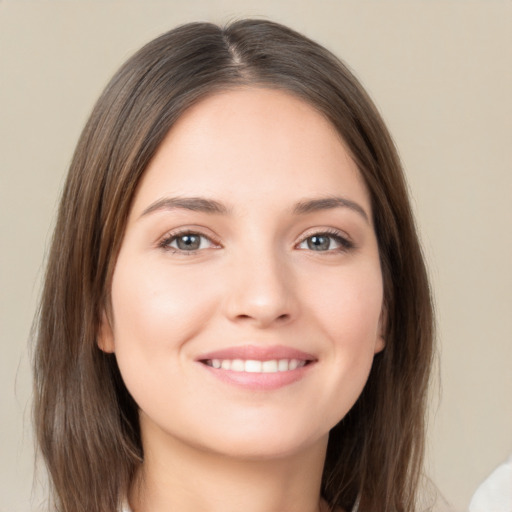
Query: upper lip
x=258, y=353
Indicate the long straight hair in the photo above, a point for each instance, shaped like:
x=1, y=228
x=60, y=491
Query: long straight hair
x=86, y=421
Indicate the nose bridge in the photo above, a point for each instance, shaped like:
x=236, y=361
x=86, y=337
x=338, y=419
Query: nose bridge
x=260, y=290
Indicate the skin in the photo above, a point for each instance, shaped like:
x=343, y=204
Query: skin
x=257, y=278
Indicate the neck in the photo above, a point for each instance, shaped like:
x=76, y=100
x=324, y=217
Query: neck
x=176, y=476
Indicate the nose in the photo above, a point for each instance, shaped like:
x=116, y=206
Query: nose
x=261, y=291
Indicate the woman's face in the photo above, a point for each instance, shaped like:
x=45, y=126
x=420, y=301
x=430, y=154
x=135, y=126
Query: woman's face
x=247, y=294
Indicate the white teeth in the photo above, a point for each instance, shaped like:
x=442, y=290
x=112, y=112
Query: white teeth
x=270, y=366
x=254, y=366
x=237, y=365
x=293, y=364
x=282, y=365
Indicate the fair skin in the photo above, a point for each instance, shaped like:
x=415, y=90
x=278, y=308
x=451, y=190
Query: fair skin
x=246, y=305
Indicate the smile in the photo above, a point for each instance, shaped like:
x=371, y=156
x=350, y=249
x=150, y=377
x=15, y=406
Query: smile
x=258, y=367
x=255, y=366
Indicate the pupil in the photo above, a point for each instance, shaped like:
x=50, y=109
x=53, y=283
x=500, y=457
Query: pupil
x=318, y=243
x=188, y=242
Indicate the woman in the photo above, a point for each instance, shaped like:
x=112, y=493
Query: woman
x=236, y=313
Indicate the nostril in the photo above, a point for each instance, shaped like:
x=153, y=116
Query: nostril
x=264, y=319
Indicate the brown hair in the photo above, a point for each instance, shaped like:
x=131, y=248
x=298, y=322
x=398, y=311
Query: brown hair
x=86, y=421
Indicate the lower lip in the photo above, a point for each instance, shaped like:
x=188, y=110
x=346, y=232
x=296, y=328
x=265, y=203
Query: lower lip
x=259, y=381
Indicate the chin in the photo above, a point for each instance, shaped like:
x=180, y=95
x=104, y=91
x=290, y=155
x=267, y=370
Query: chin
x=262, y=442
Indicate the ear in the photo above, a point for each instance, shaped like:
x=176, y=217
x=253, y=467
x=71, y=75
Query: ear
x=105, y=338
x=380, y=342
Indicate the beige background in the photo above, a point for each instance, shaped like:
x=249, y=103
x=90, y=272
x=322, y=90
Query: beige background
x=440, y=71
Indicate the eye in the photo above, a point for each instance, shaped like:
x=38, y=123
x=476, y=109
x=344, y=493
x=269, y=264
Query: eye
x=325, y=242
x=186, y=242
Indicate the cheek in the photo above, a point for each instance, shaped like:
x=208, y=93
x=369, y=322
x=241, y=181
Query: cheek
x=349, y=305
x=348, y=313
x=156, y=310
x=349, y=316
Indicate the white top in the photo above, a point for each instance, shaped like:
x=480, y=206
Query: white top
x=495, y=493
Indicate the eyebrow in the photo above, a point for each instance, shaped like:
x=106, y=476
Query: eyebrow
x=195, y=204
x=201, y=204
x=328, y=203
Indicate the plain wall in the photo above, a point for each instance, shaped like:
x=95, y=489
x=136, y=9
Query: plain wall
x=441, y=73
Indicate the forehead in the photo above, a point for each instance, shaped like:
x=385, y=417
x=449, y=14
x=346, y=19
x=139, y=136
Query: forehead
x=247, y=143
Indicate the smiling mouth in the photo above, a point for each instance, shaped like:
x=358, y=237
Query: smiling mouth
x=256, y=366
x=261, y=368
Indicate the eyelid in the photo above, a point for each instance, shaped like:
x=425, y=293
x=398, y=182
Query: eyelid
x=340, y=236
x=171, y=235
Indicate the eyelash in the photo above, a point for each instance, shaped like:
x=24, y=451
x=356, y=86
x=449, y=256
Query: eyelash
x=344, y=243
x=171, y=237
